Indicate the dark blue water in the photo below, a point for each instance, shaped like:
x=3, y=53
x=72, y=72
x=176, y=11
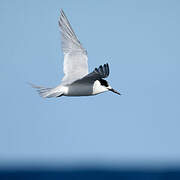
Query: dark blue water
x=89, y=174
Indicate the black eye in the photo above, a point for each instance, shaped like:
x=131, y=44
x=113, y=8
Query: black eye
x=104, y=82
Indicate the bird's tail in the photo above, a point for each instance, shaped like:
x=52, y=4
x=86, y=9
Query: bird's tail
x=47, y=92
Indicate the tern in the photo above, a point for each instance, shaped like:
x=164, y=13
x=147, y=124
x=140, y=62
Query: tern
x=76, y=81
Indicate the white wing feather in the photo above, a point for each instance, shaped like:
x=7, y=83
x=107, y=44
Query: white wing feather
x=75, y=56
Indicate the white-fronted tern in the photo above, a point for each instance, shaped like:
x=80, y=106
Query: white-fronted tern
x=76, y=81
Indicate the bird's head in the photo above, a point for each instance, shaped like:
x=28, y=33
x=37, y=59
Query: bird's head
x=105, y=85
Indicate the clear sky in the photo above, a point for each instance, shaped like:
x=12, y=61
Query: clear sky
x=141, y=42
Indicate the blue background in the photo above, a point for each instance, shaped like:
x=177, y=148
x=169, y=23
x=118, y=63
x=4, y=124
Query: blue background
x=139, y=39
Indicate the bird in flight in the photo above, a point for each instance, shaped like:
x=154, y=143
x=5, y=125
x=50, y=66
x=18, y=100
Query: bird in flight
x=76, y=81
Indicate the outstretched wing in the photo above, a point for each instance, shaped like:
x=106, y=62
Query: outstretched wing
x=98, y=73
x=75, y=56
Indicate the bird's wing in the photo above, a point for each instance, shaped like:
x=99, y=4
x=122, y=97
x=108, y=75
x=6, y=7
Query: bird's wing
x=75, y=56
x=98, y=73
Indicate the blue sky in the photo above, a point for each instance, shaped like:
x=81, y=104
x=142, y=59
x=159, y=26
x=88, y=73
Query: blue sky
x=139, y=39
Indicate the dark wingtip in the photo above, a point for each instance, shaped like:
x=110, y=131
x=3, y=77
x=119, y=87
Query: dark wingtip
x=103, y=71
x=61, y=11
x=106, y=66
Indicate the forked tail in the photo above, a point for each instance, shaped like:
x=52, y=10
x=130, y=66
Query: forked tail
x=47, y=92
